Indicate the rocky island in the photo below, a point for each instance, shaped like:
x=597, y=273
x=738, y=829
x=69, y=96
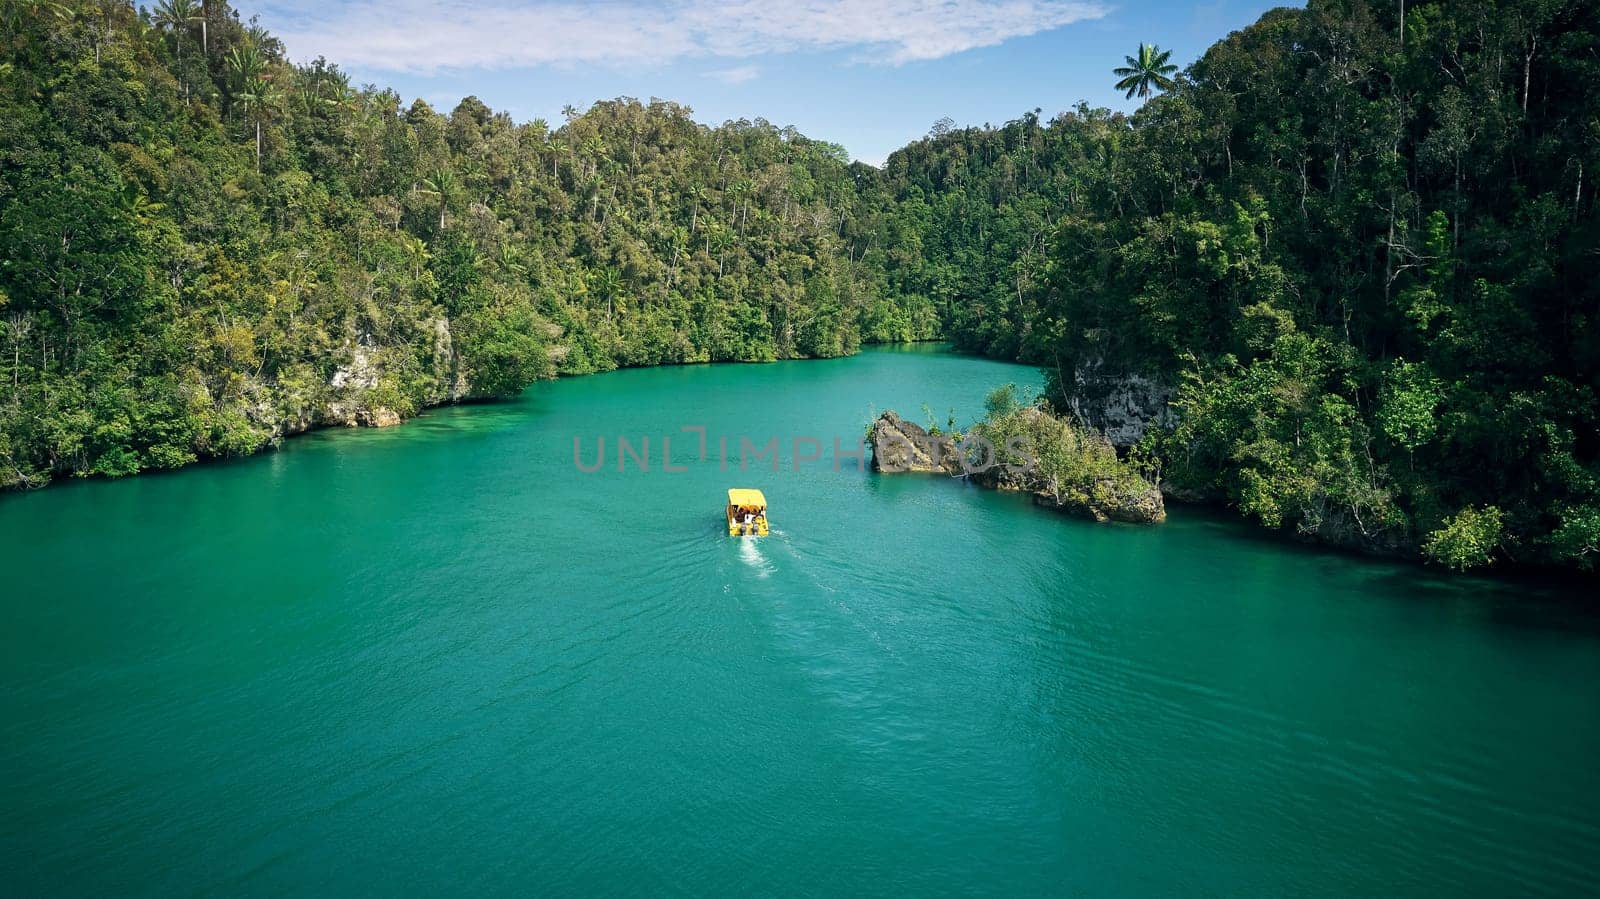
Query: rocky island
x=1025, y=448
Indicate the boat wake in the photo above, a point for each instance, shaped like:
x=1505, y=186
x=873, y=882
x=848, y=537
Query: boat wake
x=840, y=603
x=750, y=553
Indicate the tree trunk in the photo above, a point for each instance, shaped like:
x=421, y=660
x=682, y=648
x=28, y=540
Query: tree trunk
x=1455, y=238
x=258, y=146
x=1388, y=253
x=1527, y=72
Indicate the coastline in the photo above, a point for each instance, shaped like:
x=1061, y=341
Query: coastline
x=362, y=418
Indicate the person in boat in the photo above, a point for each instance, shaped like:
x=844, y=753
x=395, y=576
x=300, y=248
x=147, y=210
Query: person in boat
x=749, y=522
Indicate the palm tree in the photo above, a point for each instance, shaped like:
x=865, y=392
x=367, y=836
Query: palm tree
x=135, y=202
x=1149, y=70
x=388, y=104
x=321, y=90
x=511, y=259
x=594, y=150
x=258, y=97
x=442, y=183
x=608, y=283
x=255, y=93
x=595, y=185
x=717, y=241
x=176, y=16
x=417, y=251
x=246, y=62
x=697, y=194
x=739, y=191
x=558, y=148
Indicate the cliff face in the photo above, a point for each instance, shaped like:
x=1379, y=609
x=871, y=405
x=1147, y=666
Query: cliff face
x=357, y=393
x=1122, y=405
x=1103, y=493
x=1126, y=405
x=348, y=405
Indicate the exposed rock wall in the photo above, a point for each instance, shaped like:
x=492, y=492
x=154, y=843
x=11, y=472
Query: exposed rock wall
x=351, y=403
x=1121, y=405
x=359, y=391
x=347, y=404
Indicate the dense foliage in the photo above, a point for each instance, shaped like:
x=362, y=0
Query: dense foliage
x=205, y=246
x=1076, y=467
x=1351, y=251
x=1360, y=254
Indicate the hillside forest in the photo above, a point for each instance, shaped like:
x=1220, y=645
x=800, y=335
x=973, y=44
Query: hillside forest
x=1342, y=273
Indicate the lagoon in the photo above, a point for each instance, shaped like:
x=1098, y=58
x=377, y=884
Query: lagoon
x=440, y=658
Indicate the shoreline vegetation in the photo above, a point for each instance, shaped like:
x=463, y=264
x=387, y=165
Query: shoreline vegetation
x=1020, y=445
x=207, y=247
x=1336, y=275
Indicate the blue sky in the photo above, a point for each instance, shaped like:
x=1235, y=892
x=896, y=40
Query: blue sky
x=869, y=74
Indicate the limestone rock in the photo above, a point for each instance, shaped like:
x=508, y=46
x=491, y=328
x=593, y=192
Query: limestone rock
x=899, y=446
x=1108, y=500
x=1122, y=405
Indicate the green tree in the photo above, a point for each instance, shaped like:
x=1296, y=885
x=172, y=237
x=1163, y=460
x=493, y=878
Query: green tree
x=245, y=62
x=442, y=185
x=175, y=16
x=1577, y=540
x=1147, y=72
x=1467, y=539
x=259, y=99
x=1408, y=405
x=1001, y=402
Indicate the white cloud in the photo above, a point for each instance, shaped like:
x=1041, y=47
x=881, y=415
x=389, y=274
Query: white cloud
x=426, y=36
x=735, y=75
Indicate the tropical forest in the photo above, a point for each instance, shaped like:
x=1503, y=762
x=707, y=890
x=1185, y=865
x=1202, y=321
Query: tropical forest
x=840, y=448
x=1346, y=259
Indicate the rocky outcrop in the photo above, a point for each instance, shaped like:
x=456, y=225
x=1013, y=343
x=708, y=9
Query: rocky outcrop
x=899, y=445
x=1122, y=405
x=351, y=401
x=902, y=446
x=447, y=369
x=1107, y=499
x=348, y=405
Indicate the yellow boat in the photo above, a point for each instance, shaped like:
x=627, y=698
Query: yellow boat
x=747, y=513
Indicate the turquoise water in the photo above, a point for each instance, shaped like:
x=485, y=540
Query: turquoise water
x=440, y=659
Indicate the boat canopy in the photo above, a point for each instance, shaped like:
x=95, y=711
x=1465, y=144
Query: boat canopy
x=745, y=497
